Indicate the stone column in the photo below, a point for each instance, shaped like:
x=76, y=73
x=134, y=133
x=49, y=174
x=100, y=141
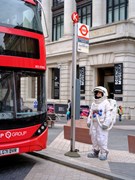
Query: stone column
x=98, y=12
x=69, y=8
x=131, y=10
x=47, y=4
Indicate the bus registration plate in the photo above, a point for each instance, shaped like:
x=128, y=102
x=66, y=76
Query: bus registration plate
x=9, y=151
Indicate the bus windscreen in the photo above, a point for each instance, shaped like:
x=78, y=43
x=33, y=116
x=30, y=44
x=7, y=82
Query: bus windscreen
x=20, y=14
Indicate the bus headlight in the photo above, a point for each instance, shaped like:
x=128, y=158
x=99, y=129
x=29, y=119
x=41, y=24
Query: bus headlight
x=41, y=129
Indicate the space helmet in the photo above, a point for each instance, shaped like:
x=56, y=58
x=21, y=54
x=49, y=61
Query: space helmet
x=101, y=89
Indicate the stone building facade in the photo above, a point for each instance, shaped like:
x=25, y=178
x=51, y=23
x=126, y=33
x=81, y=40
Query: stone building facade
x=111, y=58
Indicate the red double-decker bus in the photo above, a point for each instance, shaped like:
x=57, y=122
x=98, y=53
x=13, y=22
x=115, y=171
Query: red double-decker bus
x=23, y=126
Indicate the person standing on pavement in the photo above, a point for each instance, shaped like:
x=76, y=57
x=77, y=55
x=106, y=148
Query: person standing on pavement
x=99, y=121
x=69, y=110
x=120, y=112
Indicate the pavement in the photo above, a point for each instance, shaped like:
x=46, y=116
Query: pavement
x=119, y=165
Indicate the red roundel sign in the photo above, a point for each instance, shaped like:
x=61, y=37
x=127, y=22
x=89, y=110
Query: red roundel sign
x=84, y=30
x=75, y=17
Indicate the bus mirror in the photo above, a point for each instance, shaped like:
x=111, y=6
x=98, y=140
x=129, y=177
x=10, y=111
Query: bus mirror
x=45, y=34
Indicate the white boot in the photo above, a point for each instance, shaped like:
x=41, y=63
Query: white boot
x=103, y=156
x=93, y=154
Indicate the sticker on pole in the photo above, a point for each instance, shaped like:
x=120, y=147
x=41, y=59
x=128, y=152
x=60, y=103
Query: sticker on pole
x=75, y=17
x=35, y=104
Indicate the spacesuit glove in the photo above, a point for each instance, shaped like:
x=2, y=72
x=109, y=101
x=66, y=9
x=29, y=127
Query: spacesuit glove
x=88, y=125
x=104, y=127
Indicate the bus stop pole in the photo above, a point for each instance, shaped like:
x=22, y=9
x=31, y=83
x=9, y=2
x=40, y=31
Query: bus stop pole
x=73, y=152
x=73, y=88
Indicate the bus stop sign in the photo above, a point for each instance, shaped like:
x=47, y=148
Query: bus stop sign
x=83, y=31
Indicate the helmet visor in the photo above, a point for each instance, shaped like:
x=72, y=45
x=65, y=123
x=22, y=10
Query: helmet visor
x=98, y=94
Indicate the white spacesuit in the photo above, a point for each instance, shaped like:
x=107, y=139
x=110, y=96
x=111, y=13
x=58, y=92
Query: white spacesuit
x=99, y=121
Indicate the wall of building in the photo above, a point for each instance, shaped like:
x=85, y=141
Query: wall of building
x=109, y=44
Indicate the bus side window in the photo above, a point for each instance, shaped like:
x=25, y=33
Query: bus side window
x=1, y=104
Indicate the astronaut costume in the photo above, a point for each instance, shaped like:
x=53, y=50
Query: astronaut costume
x=99, y=121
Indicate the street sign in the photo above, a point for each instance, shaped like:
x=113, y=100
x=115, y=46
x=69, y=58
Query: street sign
x=75, y=17
x=83, y=38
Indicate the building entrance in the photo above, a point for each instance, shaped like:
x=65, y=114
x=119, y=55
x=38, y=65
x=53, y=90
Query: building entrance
x=105, y=77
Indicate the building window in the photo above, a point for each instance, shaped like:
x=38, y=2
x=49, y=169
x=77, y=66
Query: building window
x=57, y=2
x=84, y=9
x=55, y=83
x=32, y=87
x=117, y=10
x=58, y=19
x=58, y=27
